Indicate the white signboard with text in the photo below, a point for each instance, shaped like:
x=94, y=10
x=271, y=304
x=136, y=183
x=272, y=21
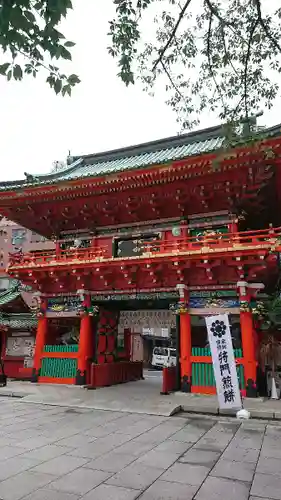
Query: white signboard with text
x=223, y=361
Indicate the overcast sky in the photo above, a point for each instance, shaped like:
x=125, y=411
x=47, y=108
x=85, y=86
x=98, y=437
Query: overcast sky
x=37, y=127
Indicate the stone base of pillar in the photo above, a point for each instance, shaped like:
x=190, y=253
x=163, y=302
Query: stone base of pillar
x=35, y=375
x=186, y=384
x=251, y=389
x=80, y=378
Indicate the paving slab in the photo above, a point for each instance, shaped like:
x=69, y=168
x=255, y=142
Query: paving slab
x=134, y=448
x=89, y=451
x=76, y=440
x=109, y=492
x=267, y=485
x=60, y=465
x=194, y=475
x=80, y=481
x=270, y=452
x=159, y=459
x=216, y=487
x=14, y=466
x=135, y=476
x=45, y=452
x=111, y=462
x=9, y=452
x=200, y=457
x=237, y=454
x=242, y=471
x=269, y=466
x=21, y=485
x=211, y=444
x=171, y=446
x=163, y=490
x=46, y=494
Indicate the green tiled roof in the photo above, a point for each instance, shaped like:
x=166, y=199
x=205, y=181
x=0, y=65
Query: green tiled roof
x=94, y=167
x=18, y=321
x=15, y=320
x=134, y=157
x=11, y=293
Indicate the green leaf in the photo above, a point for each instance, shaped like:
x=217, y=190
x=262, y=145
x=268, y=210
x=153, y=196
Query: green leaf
x=3, y=68
x=69, y=44
x=73, y=79
x=29, y=16
x=17, y=72
x=66, y=90
x=51, y=80
x=58, y=86
x=65, y=54
x=9, y=75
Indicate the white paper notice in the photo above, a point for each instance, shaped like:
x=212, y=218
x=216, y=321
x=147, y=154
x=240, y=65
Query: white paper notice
x=223, y=361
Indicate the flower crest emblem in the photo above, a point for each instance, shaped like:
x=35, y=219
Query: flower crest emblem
x=218, y=329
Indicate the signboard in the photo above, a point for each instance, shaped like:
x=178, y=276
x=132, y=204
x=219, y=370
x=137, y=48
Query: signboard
x=148, y=322
x=131, y=247
x=20, y=346
x=28, y=362
x=223, y=361
x=63, y=306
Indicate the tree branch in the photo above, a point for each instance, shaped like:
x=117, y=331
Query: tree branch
x=264, y=27
x=246, y=65
x=226, y=50
x=172, y=35
x=215, y=12
x=175, y=87
x=209, y=35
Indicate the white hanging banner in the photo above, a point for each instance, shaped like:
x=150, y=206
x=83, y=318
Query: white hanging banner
x=223, y=361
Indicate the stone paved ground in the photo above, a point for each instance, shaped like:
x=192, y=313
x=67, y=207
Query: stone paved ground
x=135, y=397
x=51, y=453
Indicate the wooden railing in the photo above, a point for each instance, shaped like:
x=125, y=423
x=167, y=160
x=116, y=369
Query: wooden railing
x=261, y=239
x=107, y=374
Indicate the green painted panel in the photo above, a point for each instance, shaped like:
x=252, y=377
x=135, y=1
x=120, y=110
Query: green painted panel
x=61, y=348
x=58, y=367
x=203, y=373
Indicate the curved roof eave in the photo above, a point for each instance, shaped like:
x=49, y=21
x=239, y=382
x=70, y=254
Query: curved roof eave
x=157, y=152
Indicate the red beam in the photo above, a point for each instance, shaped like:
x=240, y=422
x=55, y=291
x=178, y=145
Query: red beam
x=68, y=355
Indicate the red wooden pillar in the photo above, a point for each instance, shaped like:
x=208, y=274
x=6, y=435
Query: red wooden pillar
x=40, y=341
x=248, y=342
x=86, y=341
x=185, y=341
